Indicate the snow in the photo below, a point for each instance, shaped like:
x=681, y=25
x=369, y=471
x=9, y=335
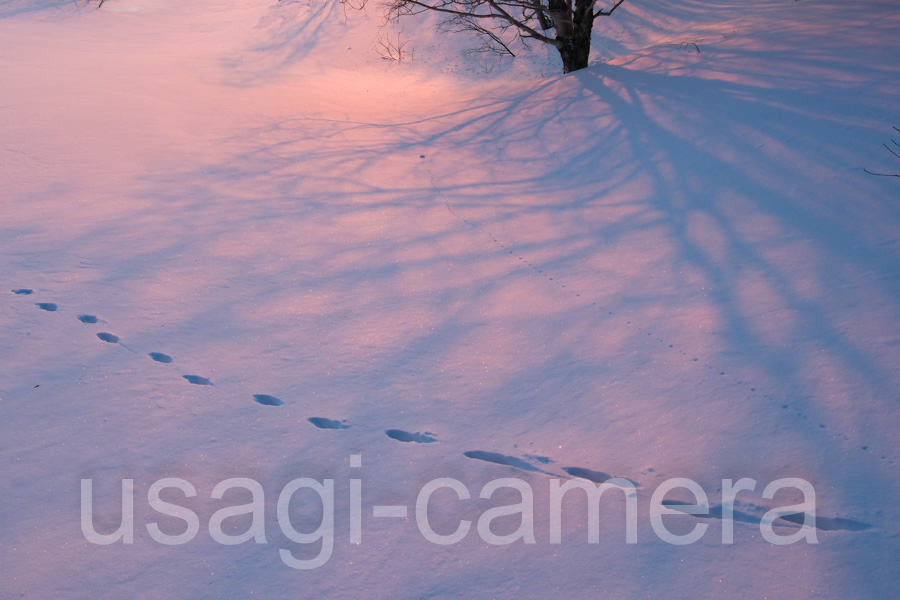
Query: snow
x=671, y=264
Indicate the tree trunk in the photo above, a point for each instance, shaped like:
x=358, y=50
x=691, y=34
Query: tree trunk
x=574, y=34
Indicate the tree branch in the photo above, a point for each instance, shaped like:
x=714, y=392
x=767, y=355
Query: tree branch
x=891, y=150
x=600, y=12
x=881, y=174
x=531, y=32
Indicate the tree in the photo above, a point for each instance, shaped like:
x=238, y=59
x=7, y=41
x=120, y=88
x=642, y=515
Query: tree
x=569, y=22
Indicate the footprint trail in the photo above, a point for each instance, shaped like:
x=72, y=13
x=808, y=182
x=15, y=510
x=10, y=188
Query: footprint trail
x=749, y=513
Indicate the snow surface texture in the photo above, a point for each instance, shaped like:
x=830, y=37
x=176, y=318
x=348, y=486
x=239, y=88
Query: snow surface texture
x=237, y=242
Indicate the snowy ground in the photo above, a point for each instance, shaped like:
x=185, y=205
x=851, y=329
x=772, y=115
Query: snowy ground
x=671, y=264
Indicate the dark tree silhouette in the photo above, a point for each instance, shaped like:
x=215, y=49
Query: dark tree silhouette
x=564, y=24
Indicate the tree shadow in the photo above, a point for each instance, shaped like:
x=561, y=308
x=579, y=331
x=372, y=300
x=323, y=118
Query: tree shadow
x=285, y=35
x=51, y=9
x=543, y=263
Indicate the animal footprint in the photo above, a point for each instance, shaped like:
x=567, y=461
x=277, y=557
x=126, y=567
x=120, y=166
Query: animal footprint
x=323, y=423
x=48, y=306
x=715, y=512
x=827, y=523
x=544, y=460
x=108, y=337
x=405, y=436
x=822, y=523
x=502, y=459
x=265, y=399
x=595, y=476
x=88, y=318
x=197, y=380
x=160, y=357
x=23, y=291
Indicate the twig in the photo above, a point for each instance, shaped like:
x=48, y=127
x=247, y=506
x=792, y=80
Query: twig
x=892, y=151
x=881, y=174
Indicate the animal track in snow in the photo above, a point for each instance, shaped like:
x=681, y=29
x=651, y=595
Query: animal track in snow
x=502, y=459
x=789, y=520
x=113, y=339
x=595, y=476
x=323, y=423
x=405, y=436
x=267, y=400
x=715, y=512
x=828, y=523
x=544, y=460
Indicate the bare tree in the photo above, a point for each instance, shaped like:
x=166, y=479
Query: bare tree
x=564, y=24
